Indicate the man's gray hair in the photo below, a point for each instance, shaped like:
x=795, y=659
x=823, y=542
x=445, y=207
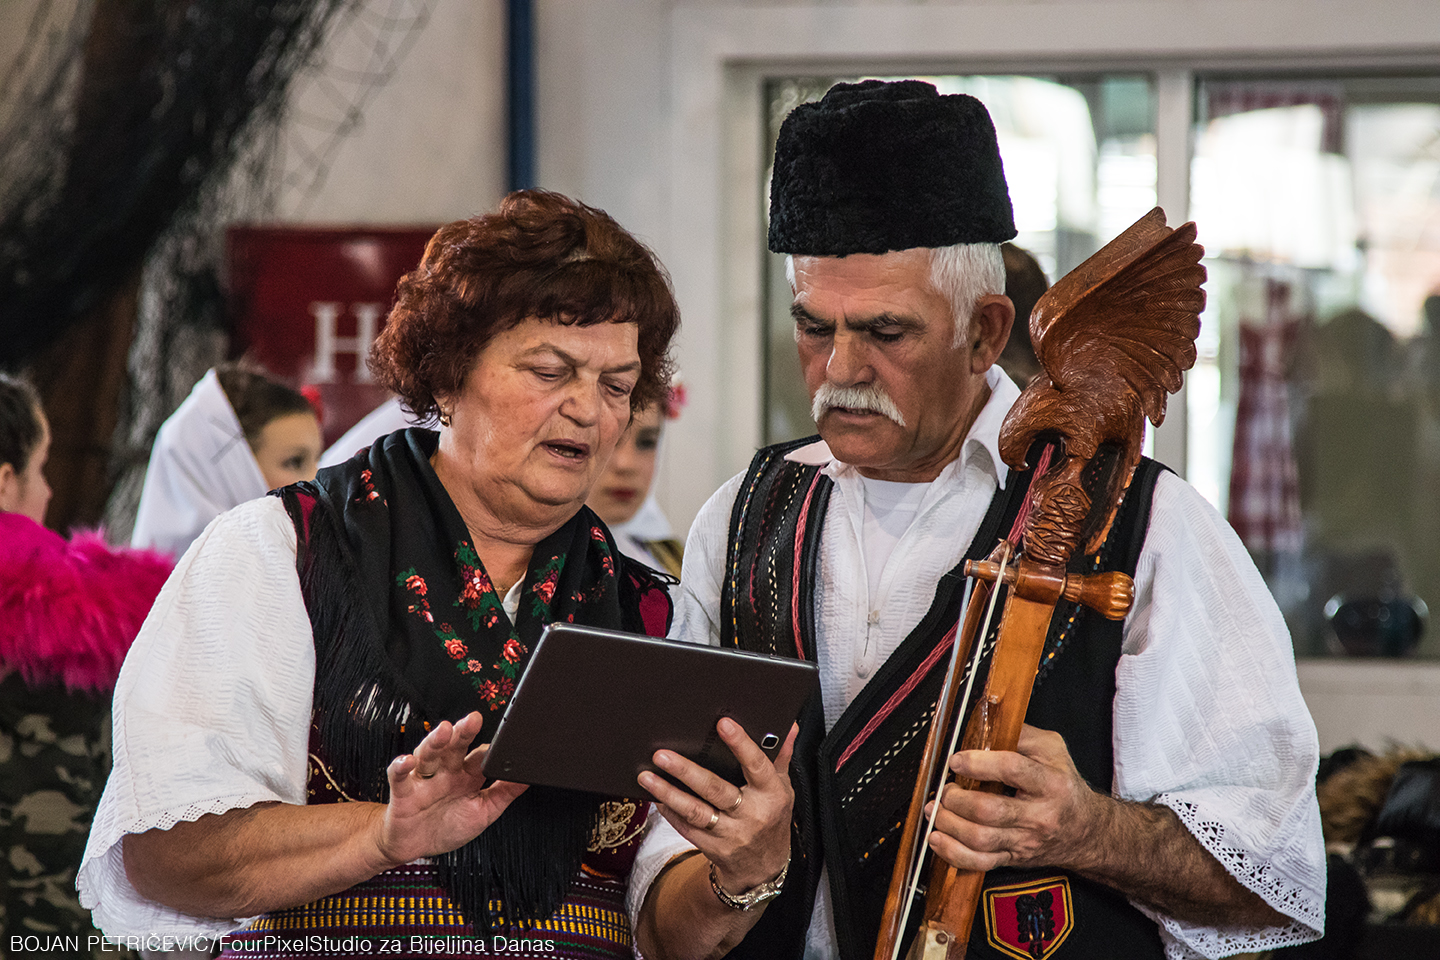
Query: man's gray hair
x=962, y=274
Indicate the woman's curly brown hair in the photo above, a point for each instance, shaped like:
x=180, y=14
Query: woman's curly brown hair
x=542, y=256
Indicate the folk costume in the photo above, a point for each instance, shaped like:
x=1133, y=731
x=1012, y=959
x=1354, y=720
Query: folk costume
x=1192, y=702
x=649, y=538
x=354, y=616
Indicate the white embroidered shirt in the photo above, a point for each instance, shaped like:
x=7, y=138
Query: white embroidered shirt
x=1208, y=717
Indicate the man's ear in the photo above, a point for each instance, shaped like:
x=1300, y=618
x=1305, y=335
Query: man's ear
x=9, y=488
x=989, y=330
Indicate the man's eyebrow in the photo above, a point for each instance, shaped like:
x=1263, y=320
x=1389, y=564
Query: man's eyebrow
x=574, y=361
x=801, y=315
x=884, y=320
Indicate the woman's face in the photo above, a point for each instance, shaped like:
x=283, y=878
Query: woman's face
x=626, y=480
x=288, y=449
x=537, y=419
x=25, y=491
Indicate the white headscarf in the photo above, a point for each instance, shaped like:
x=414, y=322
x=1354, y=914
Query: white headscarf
x=199, y=468
x=382, y=421
x=648, y=524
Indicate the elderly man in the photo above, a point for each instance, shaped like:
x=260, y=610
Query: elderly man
x=1162, y=798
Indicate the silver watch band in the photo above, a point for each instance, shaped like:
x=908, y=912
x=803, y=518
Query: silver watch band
x=752, y=898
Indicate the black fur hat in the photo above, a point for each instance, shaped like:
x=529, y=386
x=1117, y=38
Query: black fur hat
x=877, y=166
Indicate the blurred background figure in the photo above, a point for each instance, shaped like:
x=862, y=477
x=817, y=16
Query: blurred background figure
x=1427, y=350
x=68, y=612
x=1024, y=283
x=384, y=419
x=622, y=496
x=238, y=435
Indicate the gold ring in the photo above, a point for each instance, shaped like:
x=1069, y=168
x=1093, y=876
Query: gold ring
x=423, y=776
x=714, y=819
x=736, y=805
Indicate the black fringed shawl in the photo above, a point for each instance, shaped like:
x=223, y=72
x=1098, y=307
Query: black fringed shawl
x=409, y=632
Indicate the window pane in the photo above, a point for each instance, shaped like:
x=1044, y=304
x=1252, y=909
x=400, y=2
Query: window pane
x=1315, y=408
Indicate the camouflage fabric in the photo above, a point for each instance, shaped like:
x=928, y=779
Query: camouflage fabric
x=54, y=755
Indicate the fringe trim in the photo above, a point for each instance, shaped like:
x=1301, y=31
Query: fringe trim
x=366, y=713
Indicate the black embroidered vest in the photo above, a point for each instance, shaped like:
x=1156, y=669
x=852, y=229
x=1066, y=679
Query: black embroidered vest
x=853, y=784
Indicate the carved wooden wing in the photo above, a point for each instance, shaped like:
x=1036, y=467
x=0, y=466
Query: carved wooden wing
x=1114, y=336
x=1132, y=309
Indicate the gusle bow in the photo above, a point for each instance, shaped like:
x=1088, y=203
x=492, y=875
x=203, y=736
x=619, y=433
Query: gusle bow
x=1114, y=337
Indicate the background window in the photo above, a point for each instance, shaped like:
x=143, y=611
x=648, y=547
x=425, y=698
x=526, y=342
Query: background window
x=1314, y=413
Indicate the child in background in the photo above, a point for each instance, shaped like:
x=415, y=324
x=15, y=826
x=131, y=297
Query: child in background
x=622, y=498
x=238, y=435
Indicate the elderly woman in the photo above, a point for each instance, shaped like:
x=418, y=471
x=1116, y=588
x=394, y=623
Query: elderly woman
x=283, y=730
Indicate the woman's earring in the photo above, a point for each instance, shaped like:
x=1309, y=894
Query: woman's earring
x=444, y=418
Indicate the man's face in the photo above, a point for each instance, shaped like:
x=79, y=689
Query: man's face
x=874, y=322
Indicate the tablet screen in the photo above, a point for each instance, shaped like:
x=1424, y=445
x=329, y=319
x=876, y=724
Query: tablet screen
x=594, y=705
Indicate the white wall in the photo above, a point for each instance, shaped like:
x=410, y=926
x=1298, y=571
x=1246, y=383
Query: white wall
x=603, y=107
x=1373, y=702
x=430, y=145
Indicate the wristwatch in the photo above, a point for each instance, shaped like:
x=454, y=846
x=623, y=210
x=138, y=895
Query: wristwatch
x=750, y=899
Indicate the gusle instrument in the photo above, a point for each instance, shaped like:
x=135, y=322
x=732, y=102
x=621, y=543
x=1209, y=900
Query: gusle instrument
x=1114, y=337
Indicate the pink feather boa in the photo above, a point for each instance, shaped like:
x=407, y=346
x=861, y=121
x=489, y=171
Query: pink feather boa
x=70, y=610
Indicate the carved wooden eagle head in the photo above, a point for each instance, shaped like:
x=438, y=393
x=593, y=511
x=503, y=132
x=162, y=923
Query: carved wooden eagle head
x=1114, y=336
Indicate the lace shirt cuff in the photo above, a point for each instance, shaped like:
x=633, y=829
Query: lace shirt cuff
x=1303, y=904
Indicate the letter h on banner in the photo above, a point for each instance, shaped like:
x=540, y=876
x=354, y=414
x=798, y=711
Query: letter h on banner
x=329, y=343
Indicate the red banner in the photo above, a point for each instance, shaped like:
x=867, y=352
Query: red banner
x=309, y=301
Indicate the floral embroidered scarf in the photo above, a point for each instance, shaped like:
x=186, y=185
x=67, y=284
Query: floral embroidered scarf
x=409, y=631
x=446, y=626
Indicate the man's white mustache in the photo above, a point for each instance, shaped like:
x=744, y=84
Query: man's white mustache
x=869, y=397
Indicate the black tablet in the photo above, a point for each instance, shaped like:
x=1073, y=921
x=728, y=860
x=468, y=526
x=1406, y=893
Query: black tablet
x=594, y=705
